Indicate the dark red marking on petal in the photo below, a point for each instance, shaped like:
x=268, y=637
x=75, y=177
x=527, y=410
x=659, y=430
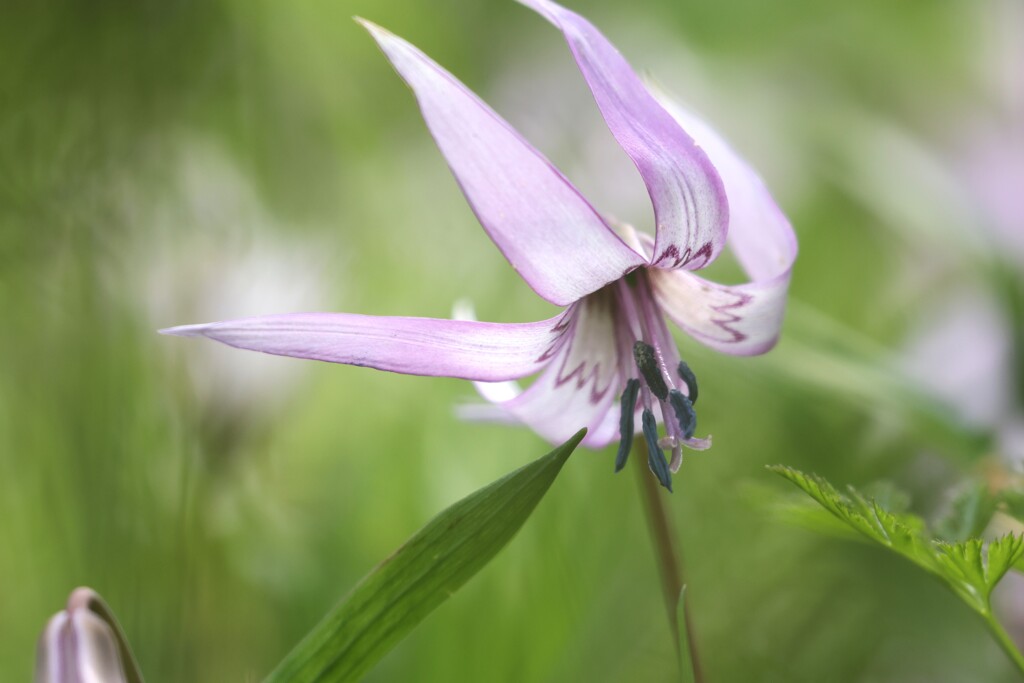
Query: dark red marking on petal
x=563, y=327
x=684, y=259
x=725, y=324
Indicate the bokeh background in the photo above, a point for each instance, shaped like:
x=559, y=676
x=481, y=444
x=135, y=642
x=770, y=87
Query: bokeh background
x=173, y=162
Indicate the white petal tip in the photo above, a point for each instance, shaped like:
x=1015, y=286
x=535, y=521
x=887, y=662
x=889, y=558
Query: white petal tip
x=185, y=331
x=375, y=30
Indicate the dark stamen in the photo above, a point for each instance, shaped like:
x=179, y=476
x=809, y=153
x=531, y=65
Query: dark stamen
x=685, y=413
x=686, y=374
x=655, y=457
x=626, y=422
x=643, y=353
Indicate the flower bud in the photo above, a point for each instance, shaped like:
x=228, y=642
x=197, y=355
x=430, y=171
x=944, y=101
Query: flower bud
x=84, y=644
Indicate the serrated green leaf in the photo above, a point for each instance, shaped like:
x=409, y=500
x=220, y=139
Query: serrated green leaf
x=421, y=575
x=866, y=517
x=984, y=565
x=970, y=568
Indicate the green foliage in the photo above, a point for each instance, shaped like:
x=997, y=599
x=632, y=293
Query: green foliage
x=421, y=575
x=971, y=568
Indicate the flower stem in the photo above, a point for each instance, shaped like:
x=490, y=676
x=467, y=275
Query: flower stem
x=1004, y=640
x=666, y=550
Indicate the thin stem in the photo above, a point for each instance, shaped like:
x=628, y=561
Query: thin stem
x=670, y=565
x=1004, y=640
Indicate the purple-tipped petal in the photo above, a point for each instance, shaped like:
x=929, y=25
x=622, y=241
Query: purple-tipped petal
x=690, y=208
x=742, y=319
x=579, y=387
x=540, y=222
x=414, y=346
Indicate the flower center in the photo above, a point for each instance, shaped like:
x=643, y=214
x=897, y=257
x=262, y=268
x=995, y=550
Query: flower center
x=644, y=336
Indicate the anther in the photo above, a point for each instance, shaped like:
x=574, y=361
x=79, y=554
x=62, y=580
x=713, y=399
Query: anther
x=690, y=379
x=655, y=457
x=685, y=413
x=643, y=353
x=626, y=428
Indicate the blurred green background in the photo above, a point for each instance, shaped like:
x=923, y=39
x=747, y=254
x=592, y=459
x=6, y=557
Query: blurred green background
x=173, y=162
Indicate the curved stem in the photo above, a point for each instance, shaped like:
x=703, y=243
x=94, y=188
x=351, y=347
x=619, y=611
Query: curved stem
x=670, y=565
x=1004, y=640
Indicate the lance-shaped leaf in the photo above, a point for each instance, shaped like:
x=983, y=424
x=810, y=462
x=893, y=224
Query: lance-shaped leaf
x=421, y=575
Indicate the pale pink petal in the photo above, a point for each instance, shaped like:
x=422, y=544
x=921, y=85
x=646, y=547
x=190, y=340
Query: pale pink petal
x=690, y=208
x=742, y=320
x=97, y=657
x=413, y=346
x=760, y=235
x=80, y=645
x=580, y=385
x=739, y=319
x=50, y=655
x=544, y=227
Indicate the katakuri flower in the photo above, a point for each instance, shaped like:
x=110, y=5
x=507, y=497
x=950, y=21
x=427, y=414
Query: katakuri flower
x=611, y=343
x=84, y=644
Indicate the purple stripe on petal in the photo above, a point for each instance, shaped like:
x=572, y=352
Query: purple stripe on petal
x=50, y=653
x=742, y=319
x=544, y=227
x=578, y=388
x=690, y=209
x=760, y=235
x=415, y=346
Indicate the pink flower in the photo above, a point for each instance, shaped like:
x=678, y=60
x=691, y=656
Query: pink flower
x=617, y=285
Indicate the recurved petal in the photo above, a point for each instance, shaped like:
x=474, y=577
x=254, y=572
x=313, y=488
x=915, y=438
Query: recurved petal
x=548, y=232
x=742, y=320
x=690, y=209
x=739, y=319
x=760, y=235
x=414, y=346
x=578, y=388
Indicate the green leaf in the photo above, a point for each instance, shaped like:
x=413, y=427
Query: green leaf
x=970, y=568
x=686, y=671
x=974, y=569
x=420, y=575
